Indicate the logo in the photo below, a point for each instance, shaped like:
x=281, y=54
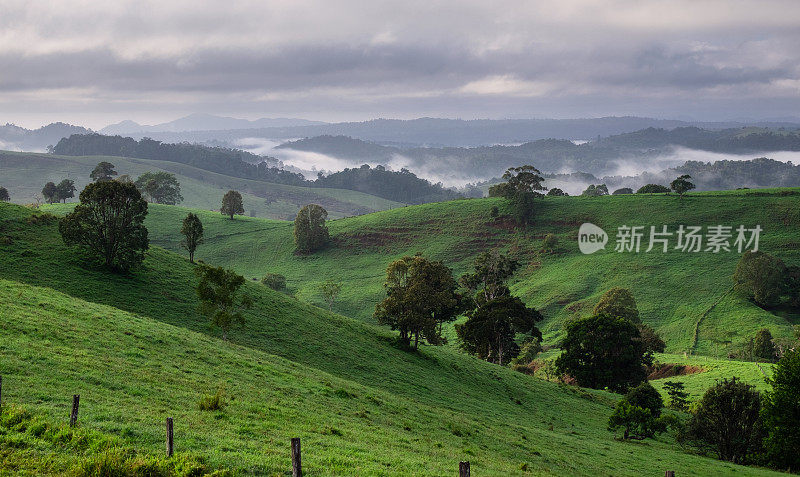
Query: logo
x=591, y=238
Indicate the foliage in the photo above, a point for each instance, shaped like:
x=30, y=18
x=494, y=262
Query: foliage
x=494, y=212
x=4, y=195
x=65, y=190
x=528, y=351
x=727, y=422
x=603, y=351
x=556, y=192
x=103, y=171
x=522, y=187
x=761, y=277
x=160, y=187
x=310, y=231
x=220, y=300
x=651, y=340
x=192, y=231
x=653, y=189
x=420, y=296
x=491, y=327
x=763, y=346
x=595, y=191
x=623, y=191
x=275, y=281
x=781, y=414
x=109, y=223
x=618, y=301
x=491, y=271
x=681, y=185
x=50, y=193
x=645, y=396
x=330, y=290
x=549, y=243
x=232, y=204
x=212, y=402
x=639, y=413
x=677, y=396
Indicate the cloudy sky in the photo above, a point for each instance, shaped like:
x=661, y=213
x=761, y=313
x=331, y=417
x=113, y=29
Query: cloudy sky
x=98, y=62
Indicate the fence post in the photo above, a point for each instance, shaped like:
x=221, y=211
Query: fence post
x=73, y=416
x=463, y=469
x=297, y=467
x=169, y=437
x=670, y=473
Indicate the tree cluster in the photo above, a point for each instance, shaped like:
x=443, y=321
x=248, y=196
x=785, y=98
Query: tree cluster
x=310, y=231
x=522, y=187
x=767, y=280
x=402, y=186
x=160, y=187
x=60, y=192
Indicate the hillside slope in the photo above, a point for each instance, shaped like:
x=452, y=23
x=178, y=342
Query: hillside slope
x=24, y=175
x=686, y=297
x=136, y=350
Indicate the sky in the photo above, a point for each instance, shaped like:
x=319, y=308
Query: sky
x=98, y=62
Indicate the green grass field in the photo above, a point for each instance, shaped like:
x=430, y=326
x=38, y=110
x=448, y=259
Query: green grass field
x=687, y=297
x=24, y=175
x=136, y=350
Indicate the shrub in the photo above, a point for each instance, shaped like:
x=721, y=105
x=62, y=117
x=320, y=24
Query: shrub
x=495, y=212
x=212, y=402
x=549, y=243
x=274, y=281
x=653, y=189
x=624, y=190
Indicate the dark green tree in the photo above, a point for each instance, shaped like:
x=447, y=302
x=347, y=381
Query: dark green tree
x=109, y=223
x=781, y=414
x=638, y=413
x=50, y=193
x=618, y=301
x=491, y=271
x=4, y=195
x=681, y=185
x=677, y=396
x=330, y=291
x=220, y=300
x=310, y=231
x=160, y=187
x=603, y=351
x=623, y=191
x=490, y=328
x=653, y=189
x=232, y=204
x=421, y=295
x=595, y=191
x=192, y=231
x=104, y=171
x=761, y=277
x=66, y=190
x=727, y=422
x=556, y=192
x=522, y=187
x=763, y=346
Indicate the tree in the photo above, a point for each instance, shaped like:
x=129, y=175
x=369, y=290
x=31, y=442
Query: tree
x=66, y=190
x=232, y=204
x=192, y=230
x=109, y=223
x=653, y=189
x=651, y=341
x=330, y=290
x=4, y=195
x=310, y=231
x=522, y=187
x=603, y=351
x=781, y=414
x=50, y=193
x=595, y=191
x=491, y=271
x=420, y=296
x=618, y=301
x=638, y=413
x=490, y=329
x=763, y=347
x=160, y=187
x=556, y=192
x=275, y=281
x=681, y=185
x=677, y=396
x=104, y=171
x=220, y=300
x=761, y=277
x=623, y=191
x=727, y=422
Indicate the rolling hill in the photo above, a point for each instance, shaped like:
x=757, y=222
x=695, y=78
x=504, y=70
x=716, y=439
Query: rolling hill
x=24, y=175
x=136, y=350
x=688, y=298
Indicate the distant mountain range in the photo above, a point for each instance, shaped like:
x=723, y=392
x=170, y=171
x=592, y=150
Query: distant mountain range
x=204, y=122
x=15, y=138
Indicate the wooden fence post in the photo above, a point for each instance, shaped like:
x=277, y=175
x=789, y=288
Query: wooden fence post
x=169, y=437
x=297, y=467
x=73, y=416
x=463, y=469
x=670, y=473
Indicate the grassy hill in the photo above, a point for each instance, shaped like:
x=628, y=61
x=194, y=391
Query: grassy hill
x=24, y=175
x=136, y=350
x=687, y=297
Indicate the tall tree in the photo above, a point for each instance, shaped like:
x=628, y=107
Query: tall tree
x=330, y=291
x=681, y=185
x=160, y=187
x=104, y=171
x=618, y=301
x=760, y=276
x=232, y=204
x=50, y=193
x=421, y=295
x=4, y=195
x=763, y=347
x=192, y=230
x=489, y=276
x=220, y=300
x=66, y=190
x=523, y=185
x=109, y=223
x=310, y=231
x=603, y=351
x=782, y=414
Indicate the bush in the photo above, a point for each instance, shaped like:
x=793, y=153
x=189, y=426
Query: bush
x=624, y=190
x=549, y=243
x=275, y=281
x=653, y=189
x=212, y=402
x=527, y=352
x=495, y=212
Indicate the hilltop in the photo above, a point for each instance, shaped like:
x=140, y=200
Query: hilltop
x=136, y=350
